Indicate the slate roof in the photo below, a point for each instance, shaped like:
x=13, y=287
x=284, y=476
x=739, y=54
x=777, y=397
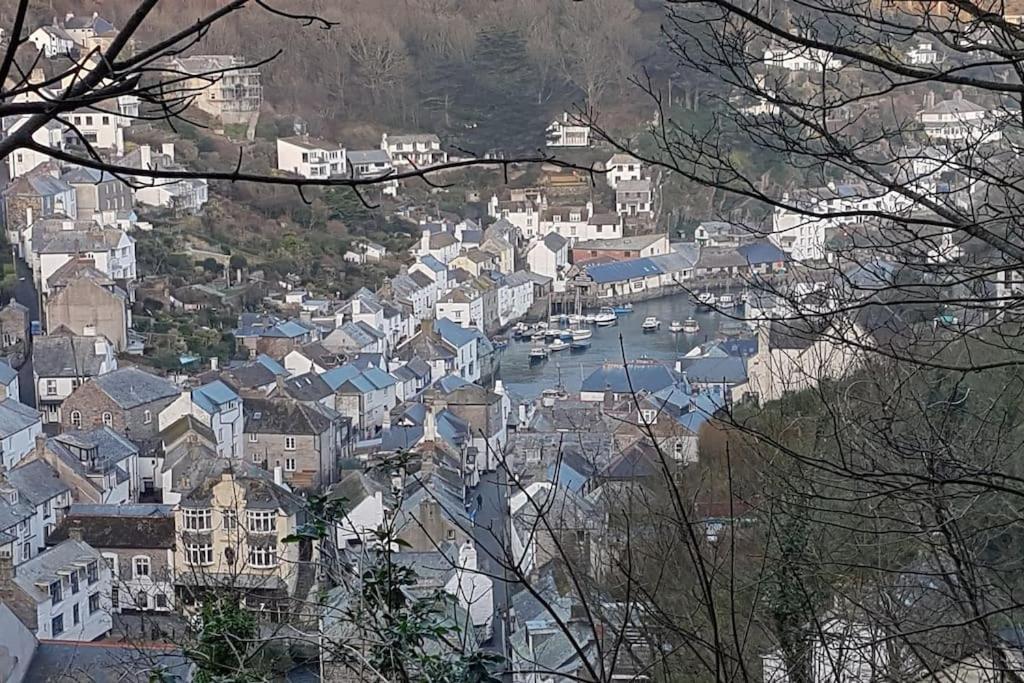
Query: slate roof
x=93, y=21
x=728, y=370
x=44, y=567
x=110, y=446
x=307, y=387
x=105, y=662
x=210, y=397
x=420, y=278
x=631, y=243
x=283, y=416
x=350, y=377
x=440, y=240
x=65, y=355
x=622, y=271
x=792, y=334
x=761, y=252
x=91, y=238
x=37, y=482
x=131, y=387
x=15, y=417
x=721, y=257
x=10, y=515
x=641, y=376
x=357, y=486
x=455, y=334
x=79, y=267
x=260, y=490
x=120, y=526
x=432, y=263
x=554, y=242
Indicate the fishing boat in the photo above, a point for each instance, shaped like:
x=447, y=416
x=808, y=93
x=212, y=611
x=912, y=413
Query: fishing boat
x=706, y=300
x=675, y=327
x=580, y=345
x=744, y=296
x=625, y=308
x=651, y=324
x=581, y=335
x=691, y=326
x=726, y=301
x=605, y=317
x=558, y=345
x=538, y=353
x=554, y=319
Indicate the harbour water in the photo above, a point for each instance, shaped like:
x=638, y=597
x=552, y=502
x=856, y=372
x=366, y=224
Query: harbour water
x=526, y=381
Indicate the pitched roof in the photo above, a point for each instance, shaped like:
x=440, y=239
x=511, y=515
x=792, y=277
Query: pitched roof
x=554, y=242
x=714, y=370
x=455, y=334
x=358, y=157
x=357, y=486
x=283, y=416
x=15, y=417
x=130, y=387
x=432, y=263
x=65, y=355
x=621, y=271
x=440, y=240
x=762, y=251
x=37, y=482
x=79, y=268
x=307, y=387
x=105, y=662
x=633, y=242
x=638, y=376
x=210, y=397
x=47, y=567
x=120, y=526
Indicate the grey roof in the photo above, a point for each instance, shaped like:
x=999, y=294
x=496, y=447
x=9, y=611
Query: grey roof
x=109, y=445
x=15, y=417
x=92, y=238
x=440, y=240
x=358, y=157
x=65, y=355
x=283, y=416
x=357, y=486
x=131, y=387
x=72, y=662
x=554, y=241
x=307, y=387
x=260, y=490
x=120, y=526
x=12, y=514
x=632, y=242
x=37, y=482
x=712, y=370
x=82, y=175
x=44, y=568
x=642, y=185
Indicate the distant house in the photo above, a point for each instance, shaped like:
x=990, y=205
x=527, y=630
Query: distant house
x=622, y=167
x=92, y=31
x=272, y=336
x=365, y=395
x=312, y=158
x=99, y=465
x=515, y=297
x=61, y=362
x=372, y=250
x=624, y=248
x=958, y=120
x=568, y=131
x=373, y=163
x=299, y=438
x=14, y=325
x=55, y=242
x=549, y=256
x=635, y=198
x=235, y=96
x=414, y=151
x=464, y=342
x=19, y=427
x=216, y=406
x=723, y=234
x=99, y=196
x=88, y=302
x=53, y=41
x=32, y=500
x=137, y=542
x=923, y=54
x=443, y=246
x=800, y=58
x=434, y=269
x=37, y=195
x=9, y=386
x=475, y=261
x=369, y=500
x=463, y=305
x=186, y=195
x=62, y=594
x=355, y=337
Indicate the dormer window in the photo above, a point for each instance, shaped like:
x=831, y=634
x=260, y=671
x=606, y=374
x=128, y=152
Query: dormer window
x=649, y=416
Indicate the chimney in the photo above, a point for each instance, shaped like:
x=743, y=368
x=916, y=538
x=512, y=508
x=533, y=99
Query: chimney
x=430, y=424
x=357, y=306
x=28, y=215
x=522, y=414
x=167, y=149
x=145, y=156
x=75, y=530
x=6, y=580
x=40, y=448
x=499, y=387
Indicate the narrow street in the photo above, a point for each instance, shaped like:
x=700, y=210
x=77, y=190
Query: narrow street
x=25, y=294
x=492, y=524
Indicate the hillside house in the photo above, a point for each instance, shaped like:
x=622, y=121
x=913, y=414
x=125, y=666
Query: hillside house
x=568, y=131
x=235, y=94
x=549, y=256
x=635, y=198
x=299, y=438
x=186, y=195
x=33, y=500
x=960, y=120
x=622, y=167
x=413, y=151
x=61, y=362
x=53, y=41
x=19, y=426
x=99, y=196
x=800, y=58
x=312, y=158
x=88, y=302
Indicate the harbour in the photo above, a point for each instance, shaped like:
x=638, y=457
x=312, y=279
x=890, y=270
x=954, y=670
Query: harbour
x=526, y=377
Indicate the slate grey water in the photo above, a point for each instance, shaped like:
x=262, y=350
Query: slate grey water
x=526, y=381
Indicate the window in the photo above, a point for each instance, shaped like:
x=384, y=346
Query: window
x=262, y=556
x=649, y=416
x=289, y=443
x=108, y=418
x=142, y=601
x=76, y=418
x=147, y=417
x=679, y=450
x=451, y=534
x=198, y=554
x=57, y=625
x=198, y=520
x=76, y=616
x=115, y=598
x=253, y=438
x=161, y=601
x=74, y=583
x=94, y=603
x=92, y=573
x=26, y=552
x=229, y=520
x=262, y=521
x=56, y=594
x=106, y=120
x=51, y=387
x=256, y=458
x=289, y=464
x=141, y=566
x=88, y=120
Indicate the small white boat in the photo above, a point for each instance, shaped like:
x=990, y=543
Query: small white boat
x=542, y=325
x=558, y=345
x=575, y=319
x=691, y=326
x=555, y=319
x=651, y=324
x=538, y=353
x=726, y=301
x=553, y=333
x=706, y=299
x=580, y=335
x=537, y=336
x=589, y=319
x=605, y=317
x=676, y=326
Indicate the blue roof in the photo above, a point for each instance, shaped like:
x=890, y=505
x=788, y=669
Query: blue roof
x=379, y=378
x=211, y=396
x=400, y=438
x=738, y=346
x=620, y=271
x=364, y=381
x=290, y=328
x=450, y=383
x=644, y=376
x=451, y=428
x=335, y=377
x=455, y=334
x=728, y=369
x=762, y=252
x=432, y=263
x=271, y=364
x=705, y=405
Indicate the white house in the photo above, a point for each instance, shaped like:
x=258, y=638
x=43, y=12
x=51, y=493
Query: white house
x=364, y=395
x=523, y=210
x=433, y=269
x=53, y=41
x=801, y=58
x=922, y=54
x=19, y=427
x=568, y=131
x=373, y=163
x=54, y=242
x=413, y=151
x=440, y=244
x=312, y=158
x=22, y=160
x=571, y=222
x=622, y=167
x=60, y=362
x=515, y=297
x=462, y=305
x=218, y=407
x=368, y=503
x=463, y=341
x=32, y=496
x=549, y=256
x=960, y=120
x=186, y=194
x=63, y=593
x=635, y=198
x=103, y=130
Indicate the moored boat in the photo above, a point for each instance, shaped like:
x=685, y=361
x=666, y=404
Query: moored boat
x=676, y=326
x=605, y=317
x=691, y=326
x=706, y=300
x=580, y=335
x=580, y=345
x=625, y=308
x=651, y=324
x=589, y=319
x=537, y=336
x=558, y=345
x=538, y=353
x=726, y=301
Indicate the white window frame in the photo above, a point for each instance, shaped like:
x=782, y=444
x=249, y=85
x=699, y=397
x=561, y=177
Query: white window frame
x=199, y=554
x=76, y=418
x=197, y=519
x=229, y=519
x=262, y=557
x=147, y=417
x=253, y=437
x=261, y=521
x=289, y=443
x=289, y=464
x=107, y=418
x=141, y=561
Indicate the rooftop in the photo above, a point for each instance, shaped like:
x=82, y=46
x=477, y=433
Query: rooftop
x=41, y=570
x=131, y=387
x=15, y=417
